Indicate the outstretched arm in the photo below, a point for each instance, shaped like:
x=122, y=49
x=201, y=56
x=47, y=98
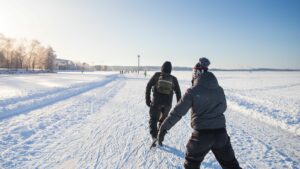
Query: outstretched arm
x=179, y=110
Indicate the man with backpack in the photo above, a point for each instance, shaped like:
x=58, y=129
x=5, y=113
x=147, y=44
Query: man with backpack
x=208, y=104
x=163, y=85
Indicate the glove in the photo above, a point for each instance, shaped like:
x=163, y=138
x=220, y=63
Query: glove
x=148, y=102
x=161, y=136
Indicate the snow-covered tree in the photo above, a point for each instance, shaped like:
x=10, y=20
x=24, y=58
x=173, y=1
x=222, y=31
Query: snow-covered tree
x=19, y=54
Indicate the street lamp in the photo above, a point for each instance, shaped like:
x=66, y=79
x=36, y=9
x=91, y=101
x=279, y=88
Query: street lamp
x=138, y=64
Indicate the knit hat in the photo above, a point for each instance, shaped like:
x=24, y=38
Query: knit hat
x=200, y=67
x=202, y=64
x=166, y=67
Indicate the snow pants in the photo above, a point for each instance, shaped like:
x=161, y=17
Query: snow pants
x=218, y=141
x=158, y=113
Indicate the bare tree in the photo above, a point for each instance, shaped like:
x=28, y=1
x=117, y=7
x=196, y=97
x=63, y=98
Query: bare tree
x=20, y=55
x=32, y=54
x=50, y=61
x=2, y=59
x=8, y=51
x=40, y=57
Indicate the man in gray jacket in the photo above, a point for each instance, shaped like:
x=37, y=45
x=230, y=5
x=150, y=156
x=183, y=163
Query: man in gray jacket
x=208, y=104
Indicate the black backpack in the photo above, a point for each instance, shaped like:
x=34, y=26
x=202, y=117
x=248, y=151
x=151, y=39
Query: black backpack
x=164, y=85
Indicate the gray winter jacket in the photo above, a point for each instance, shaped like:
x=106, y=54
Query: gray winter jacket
x=207, y=102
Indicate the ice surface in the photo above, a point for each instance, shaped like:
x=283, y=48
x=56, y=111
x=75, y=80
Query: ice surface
x=100, y=120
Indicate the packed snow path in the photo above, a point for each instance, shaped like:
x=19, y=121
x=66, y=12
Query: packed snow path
x=105, y=125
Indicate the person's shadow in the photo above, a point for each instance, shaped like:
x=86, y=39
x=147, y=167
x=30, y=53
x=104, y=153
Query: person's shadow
x=173, y=150
x=180, y=154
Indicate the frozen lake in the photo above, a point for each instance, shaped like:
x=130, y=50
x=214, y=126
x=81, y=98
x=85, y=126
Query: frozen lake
x=100, y=120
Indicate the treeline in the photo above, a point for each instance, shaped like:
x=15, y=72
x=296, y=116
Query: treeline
x=25, y=54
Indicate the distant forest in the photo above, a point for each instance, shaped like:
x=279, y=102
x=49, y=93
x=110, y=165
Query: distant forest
x=25, y=54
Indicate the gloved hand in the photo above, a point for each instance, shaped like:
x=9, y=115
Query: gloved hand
x=148, y=102
x=161, y=136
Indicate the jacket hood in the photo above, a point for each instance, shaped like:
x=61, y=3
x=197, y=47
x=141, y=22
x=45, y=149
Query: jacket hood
x=207, y=80
x=166, y=67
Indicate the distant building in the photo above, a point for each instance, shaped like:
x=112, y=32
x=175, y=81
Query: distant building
x=63, y=64
x=101, y=68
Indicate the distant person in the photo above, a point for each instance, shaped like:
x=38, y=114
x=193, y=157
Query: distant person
x=208, y=104
x=145, y=73
x=163, y=84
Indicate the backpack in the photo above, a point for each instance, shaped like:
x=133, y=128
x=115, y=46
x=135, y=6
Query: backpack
x=164, y=85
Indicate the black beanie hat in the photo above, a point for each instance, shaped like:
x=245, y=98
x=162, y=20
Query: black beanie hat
x=166, y=67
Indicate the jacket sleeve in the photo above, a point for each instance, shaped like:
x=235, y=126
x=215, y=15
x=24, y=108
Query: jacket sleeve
x=151, y=83
x=179, y=110
x=177, y=89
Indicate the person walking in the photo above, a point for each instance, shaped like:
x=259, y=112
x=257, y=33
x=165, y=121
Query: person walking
x=163, y=85
x=208, y=104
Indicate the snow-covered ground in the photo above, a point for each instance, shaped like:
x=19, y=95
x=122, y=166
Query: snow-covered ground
x=100, y=120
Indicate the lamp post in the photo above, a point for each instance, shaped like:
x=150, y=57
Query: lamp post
x=138, y=64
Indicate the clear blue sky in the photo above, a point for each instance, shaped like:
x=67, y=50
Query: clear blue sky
x=232, y=34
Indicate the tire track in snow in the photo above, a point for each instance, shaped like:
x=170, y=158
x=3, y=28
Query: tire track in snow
x=38, y=101
x=79, y=112
x=4, y=130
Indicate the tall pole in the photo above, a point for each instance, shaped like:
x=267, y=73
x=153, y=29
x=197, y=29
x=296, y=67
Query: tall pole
x=138, y=64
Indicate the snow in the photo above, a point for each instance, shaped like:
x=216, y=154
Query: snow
x=19, y=85
x=100, y=120
x=271, y=97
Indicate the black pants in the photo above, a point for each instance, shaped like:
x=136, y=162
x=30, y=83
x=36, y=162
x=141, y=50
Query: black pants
x=158, y=114
x=217, y=141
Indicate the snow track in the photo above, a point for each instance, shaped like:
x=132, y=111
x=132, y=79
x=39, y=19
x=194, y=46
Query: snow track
x=104, y=124
x=262, y=145
x=281, y=114
x=41, y=126
x=13, y=107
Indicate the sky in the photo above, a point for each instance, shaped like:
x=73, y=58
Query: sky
x=231, y=33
